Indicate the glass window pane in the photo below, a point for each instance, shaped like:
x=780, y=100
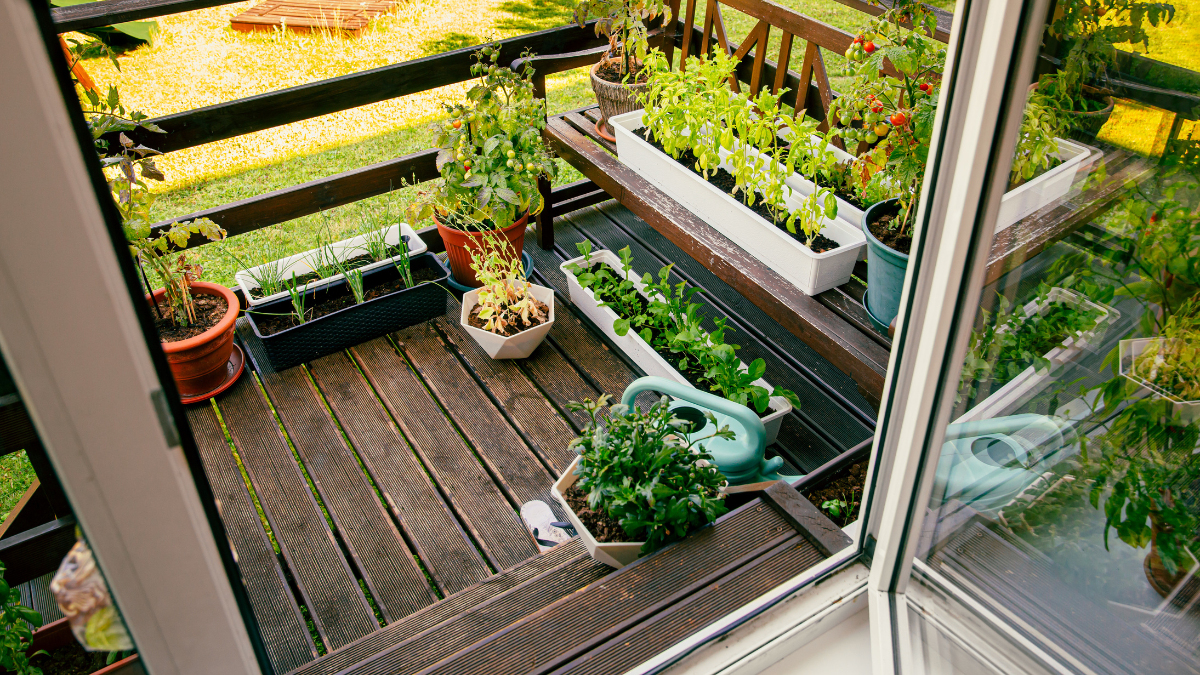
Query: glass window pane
x=1067, y=491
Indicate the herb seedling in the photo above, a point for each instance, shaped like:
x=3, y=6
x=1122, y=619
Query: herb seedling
x=506, y=305
x=297, y=297
x=835, y=507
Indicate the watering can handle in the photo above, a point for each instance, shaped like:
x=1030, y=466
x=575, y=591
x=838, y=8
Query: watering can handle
x=756, y=434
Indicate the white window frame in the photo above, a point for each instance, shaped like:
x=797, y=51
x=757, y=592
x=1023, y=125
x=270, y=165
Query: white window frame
x=71, y=336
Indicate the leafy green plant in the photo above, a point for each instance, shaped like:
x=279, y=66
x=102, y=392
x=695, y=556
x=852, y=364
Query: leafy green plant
x=645, y=474
x=491, y=152
x=296, y=293
x=1037, y=143
x=268, y=276
x=17, y=624
x=835, y=507
x=623, y=22
x=819, y=205
x=1173, y=363
x=506, y=304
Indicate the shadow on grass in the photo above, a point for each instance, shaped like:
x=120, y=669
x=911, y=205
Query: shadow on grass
x=449, y=42
x=534, y=15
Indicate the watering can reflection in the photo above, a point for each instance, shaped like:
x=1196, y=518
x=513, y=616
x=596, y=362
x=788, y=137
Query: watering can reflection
x=987, y=463
x=740, y=459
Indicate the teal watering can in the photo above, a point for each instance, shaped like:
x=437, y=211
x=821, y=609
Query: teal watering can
x=740, y=459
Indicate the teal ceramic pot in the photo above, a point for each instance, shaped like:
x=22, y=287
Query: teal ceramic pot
x=885, y=269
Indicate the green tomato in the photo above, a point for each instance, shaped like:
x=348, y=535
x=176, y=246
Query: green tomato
x=518, y=167
x=511, y=154
x=509, y=164
x=871, y=137
x=846, y=119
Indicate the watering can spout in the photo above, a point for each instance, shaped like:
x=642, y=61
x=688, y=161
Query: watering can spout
x=740, y=459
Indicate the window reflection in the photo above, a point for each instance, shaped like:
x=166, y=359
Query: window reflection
x=1068, y=486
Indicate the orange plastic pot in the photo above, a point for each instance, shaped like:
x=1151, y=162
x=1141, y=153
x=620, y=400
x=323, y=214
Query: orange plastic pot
x=460, y=244
x=199, y=363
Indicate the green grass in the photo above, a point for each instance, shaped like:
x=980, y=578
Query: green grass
x=16, y=475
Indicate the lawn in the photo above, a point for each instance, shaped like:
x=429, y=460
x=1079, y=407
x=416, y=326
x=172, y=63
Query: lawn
x=197, y=60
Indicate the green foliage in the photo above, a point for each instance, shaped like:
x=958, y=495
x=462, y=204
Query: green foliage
x=506, y=304
x=894, y=113
x=623, y=19
x=1173, y=363
x=672, y=324
x=645, y=474
x=835, y=507
x=814, y=209
x=491, y=152
x=296, y=293
x=1037, y=143
x=17, y=624
x=1011, y=341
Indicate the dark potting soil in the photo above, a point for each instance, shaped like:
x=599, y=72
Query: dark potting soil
x=602, y=526
x=692, y=372
x=724, y=181
x=610, y=71
x=70, y=659
x=351, y=264
x=474, y=320
x=209, y=311
x=847, y=487
x=897, y=239
x=269, y=325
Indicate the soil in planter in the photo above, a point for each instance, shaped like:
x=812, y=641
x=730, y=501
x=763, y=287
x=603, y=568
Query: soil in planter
x=269, y=325
x=209, y=311
x=352, y=264
x=70, y=659
x=724, y=181
x=896, y=239
x=603, y=527
x=693, y=372
x=474, y=320
x=847, y=487
x=610, y=71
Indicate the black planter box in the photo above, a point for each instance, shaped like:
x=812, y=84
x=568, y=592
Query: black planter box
x=355, y=324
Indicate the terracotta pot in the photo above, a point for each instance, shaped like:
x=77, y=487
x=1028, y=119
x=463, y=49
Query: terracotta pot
x=199, y=363
x=459, y=245
x=57, y=634
x=615, y=99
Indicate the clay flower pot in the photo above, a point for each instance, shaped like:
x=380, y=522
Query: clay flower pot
x=460, y=244
x=615, y=98
x=199, y=364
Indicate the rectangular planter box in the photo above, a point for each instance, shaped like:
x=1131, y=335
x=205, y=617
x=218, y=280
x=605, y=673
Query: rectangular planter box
x=811, y=272
x=1043, y=188
x=1002, y=401
x=355, y=324
x=636, y=348
x=1128, y=351
x=301, y=264
x=614, y=554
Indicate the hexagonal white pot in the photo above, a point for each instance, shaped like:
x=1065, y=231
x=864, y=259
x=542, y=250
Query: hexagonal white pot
x=518, y=346
x=614, y=554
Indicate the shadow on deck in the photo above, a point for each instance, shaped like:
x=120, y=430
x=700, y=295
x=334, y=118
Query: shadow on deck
x=371, y=496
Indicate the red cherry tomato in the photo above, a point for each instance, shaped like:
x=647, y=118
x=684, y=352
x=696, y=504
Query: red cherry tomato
x=457, y=124
x=869, y=47
x=1154, y=217
x=876, y=106
x=898, y=119
x=927, y=87
x=858, y=40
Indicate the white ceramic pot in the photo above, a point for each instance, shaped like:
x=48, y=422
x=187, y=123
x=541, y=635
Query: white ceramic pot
x=1028, y=382
x=811, y=272
x=1128, y=351
x=518, y=346
x=1044, y=188
x=638, y=350
x=613, y=554
x=302, y=263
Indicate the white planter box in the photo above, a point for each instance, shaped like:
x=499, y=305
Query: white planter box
x=613, y=554
x=636, y=348
x=811, y=272
x=1028, y=382
x=517, y=346
x=1128, y=351
x=301, y=263
x=1044, y=188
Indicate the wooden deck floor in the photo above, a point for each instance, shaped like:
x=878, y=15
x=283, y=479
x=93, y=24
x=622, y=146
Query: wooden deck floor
x=371, y=497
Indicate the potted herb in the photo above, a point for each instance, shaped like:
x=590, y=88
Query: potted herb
x=733, y=170
x=508, y=316
x=194, y=319
x=361, y=306
x=1168, y=366
x=660, y=329
x=617, y=78
x=638, y=483
x=491, y=155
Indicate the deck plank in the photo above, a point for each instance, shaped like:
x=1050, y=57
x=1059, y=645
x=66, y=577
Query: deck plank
x=639, y=644
x=280, y=622
x=565, y=629
x=547, y=433
x=439, y=539
x=335, y=602
x=488, y=515
x=384, y=561
x=499, y=446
